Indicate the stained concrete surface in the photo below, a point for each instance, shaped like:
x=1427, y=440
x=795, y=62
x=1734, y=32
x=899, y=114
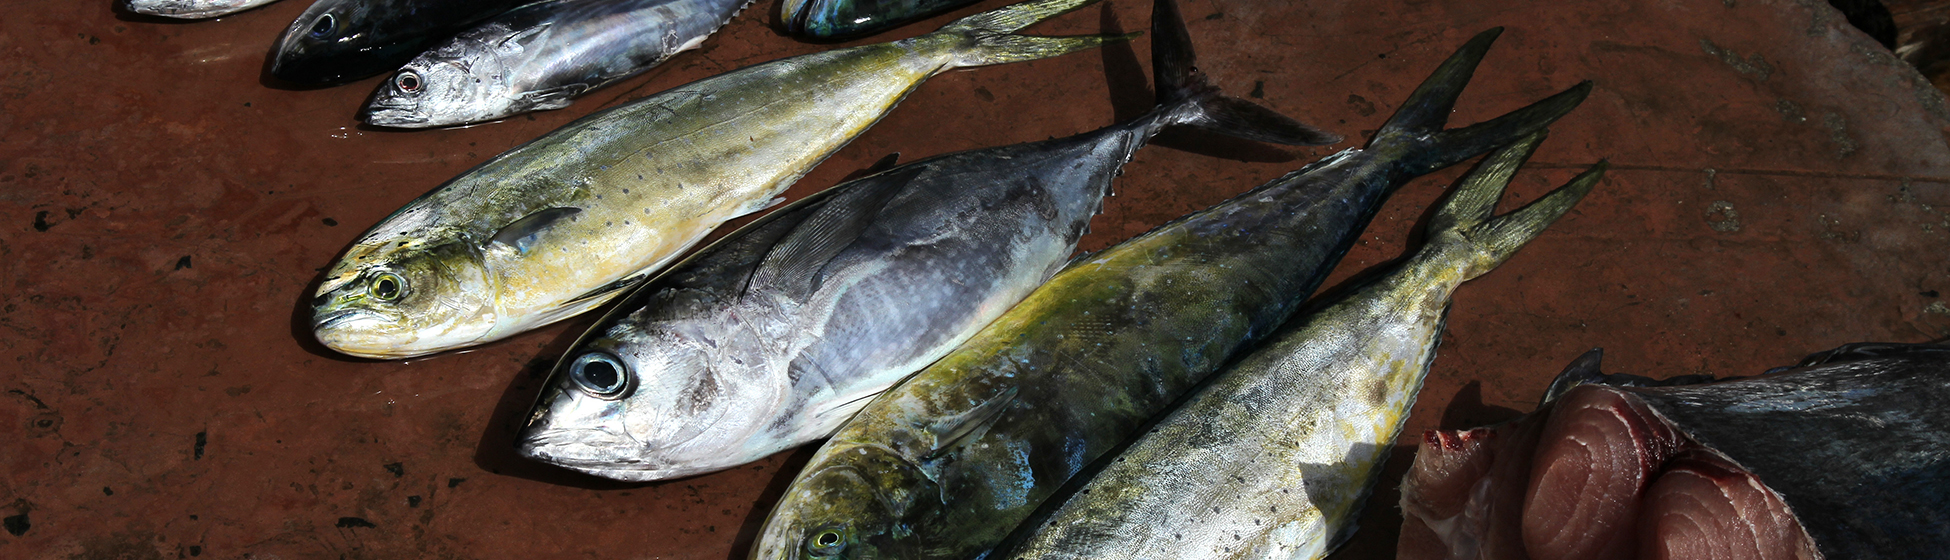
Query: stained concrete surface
x=1778, y=188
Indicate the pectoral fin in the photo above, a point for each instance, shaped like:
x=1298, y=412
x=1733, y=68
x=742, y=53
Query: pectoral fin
x=553, y=98
x=520, y=40
x=953, y=431
x=521, y=233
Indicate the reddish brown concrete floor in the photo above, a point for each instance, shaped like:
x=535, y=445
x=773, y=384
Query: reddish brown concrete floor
x=1778, y=188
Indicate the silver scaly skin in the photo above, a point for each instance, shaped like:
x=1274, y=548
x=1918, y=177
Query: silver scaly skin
x=564, y=223
x=774, y=336
x=1273, y=458
x=191, y=9
x=949, y=461
x=539, y=57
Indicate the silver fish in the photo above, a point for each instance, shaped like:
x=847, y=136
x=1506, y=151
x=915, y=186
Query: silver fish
x=1275, y=456
x=540, y=57
x=775, y=336
x=566, y=222
x=191, y=9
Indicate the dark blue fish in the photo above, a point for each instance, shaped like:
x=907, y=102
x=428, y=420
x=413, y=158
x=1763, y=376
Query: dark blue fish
x=841, y=19
x=338, y=41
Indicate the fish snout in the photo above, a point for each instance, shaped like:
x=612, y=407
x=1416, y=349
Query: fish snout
x=378, y=114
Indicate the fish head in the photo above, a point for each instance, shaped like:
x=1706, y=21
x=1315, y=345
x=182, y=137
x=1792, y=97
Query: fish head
x=852, y=502
x=464, y=80
x=398, y=298
x=335, y=41
x=647, y=401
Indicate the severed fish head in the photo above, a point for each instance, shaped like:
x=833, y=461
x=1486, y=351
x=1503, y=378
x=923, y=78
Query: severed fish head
x=465, y=80
x=854, y=506
x=402, y=298
x=648, y=402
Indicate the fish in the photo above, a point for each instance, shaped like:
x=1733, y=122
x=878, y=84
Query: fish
x=190, y=9
x=339, y=41
x=569, y=221
x=948, y=461
x=774, y=336
x=1275, y=457
x=541, y=57
x=833, y=20
x=1843, y=455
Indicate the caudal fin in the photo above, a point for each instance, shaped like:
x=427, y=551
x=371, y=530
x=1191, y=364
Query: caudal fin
x=989, y=37
x=1414, y=137
x=1464, y=229
x=1180, y=83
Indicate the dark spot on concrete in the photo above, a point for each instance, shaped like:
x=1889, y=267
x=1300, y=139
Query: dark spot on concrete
x=354, y=523
x=984, y=93
x=1361, y=105
x=196, y=550
x=40, y=221
x=192, y=517
x=412, y=501
x=455, y=482
x=1931, y=293
x=18, y=525
x=202, y=438
x=107, y=492
x=1259, y=89
x=183, y=263
x=331, y=222
x=1217, y=15
x=247, y=103
x=398, y=469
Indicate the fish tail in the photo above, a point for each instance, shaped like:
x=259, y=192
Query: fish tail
x=1464, y=228
x=1181, y=84
x=989, y=37
x=1416, y=139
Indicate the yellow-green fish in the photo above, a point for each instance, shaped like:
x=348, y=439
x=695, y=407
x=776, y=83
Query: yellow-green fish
x=564, y=223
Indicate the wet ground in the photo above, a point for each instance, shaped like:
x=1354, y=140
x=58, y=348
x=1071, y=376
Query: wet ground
x=1779, y=187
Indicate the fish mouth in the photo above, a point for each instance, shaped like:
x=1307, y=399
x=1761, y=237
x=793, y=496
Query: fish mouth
x=333, y=318
x=386, y=115
x=593, y=451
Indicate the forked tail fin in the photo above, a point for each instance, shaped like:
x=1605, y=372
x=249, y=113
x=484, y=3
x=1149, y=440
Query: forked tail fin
x=1463, y=228
x=989, y=37
x=1181, y=84
x=1414, y=137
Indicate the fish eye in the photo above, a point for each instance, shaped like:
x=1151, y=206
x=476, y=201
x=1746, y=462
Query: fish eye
x=408, y=81
x=599, y=374
x=826, y=541
x=323, y=26
x=387, y=287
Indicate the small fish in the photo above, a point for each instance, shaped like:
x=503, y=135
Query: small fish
x=1845, y=455
x=773, y=337
x=1274, y=457
x=566, y=222
x=841, y=19
x=338, y=41
x=191, y=9
x=950, y=460
x=539, y=57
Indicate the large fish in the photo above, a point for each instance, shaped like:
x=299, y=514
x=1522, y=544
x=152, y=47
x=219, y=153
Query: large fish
x=539, y=57
x=191, y=9
x=338, y=41
x=774, y=336
x=564, y=223
x=1275, y=456
x=944, y=464
x=840, y=19
x=1846, y=455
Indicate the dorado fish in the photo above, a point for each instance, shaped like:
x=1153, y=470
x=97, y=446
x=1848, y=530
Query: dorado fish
x=338, y=41
x=947, y=462
x=774, y=336
x=1846, y=455
x=191, y=9
x=540, y=57
x=840, y=19
x=568, y=221
x=1275, y=456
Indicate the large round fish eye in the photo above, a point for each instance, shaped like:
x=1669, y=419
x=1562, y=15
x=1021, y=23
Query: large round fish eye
x=599, y=374
x=408, y=81
x=387, y=286
x=829, y=540
x=323, y=26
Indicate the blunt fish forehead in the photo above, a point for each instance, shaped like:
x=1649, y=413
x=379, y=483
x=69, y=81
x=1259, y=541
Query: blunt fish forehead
x=404, y=298
x=836, y=502
x=462, y=81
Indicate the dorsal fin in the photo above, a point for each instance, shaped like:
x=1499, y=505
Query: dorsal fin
x=792, y=268
x=955, y=430
x=521, y=233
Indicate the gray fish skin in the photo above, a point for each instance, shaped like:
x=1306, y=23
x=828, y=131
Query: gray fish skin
x=1275, y=456
x=191, y=9
x=782, y=332
x=540, y=57
x=949, y=461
